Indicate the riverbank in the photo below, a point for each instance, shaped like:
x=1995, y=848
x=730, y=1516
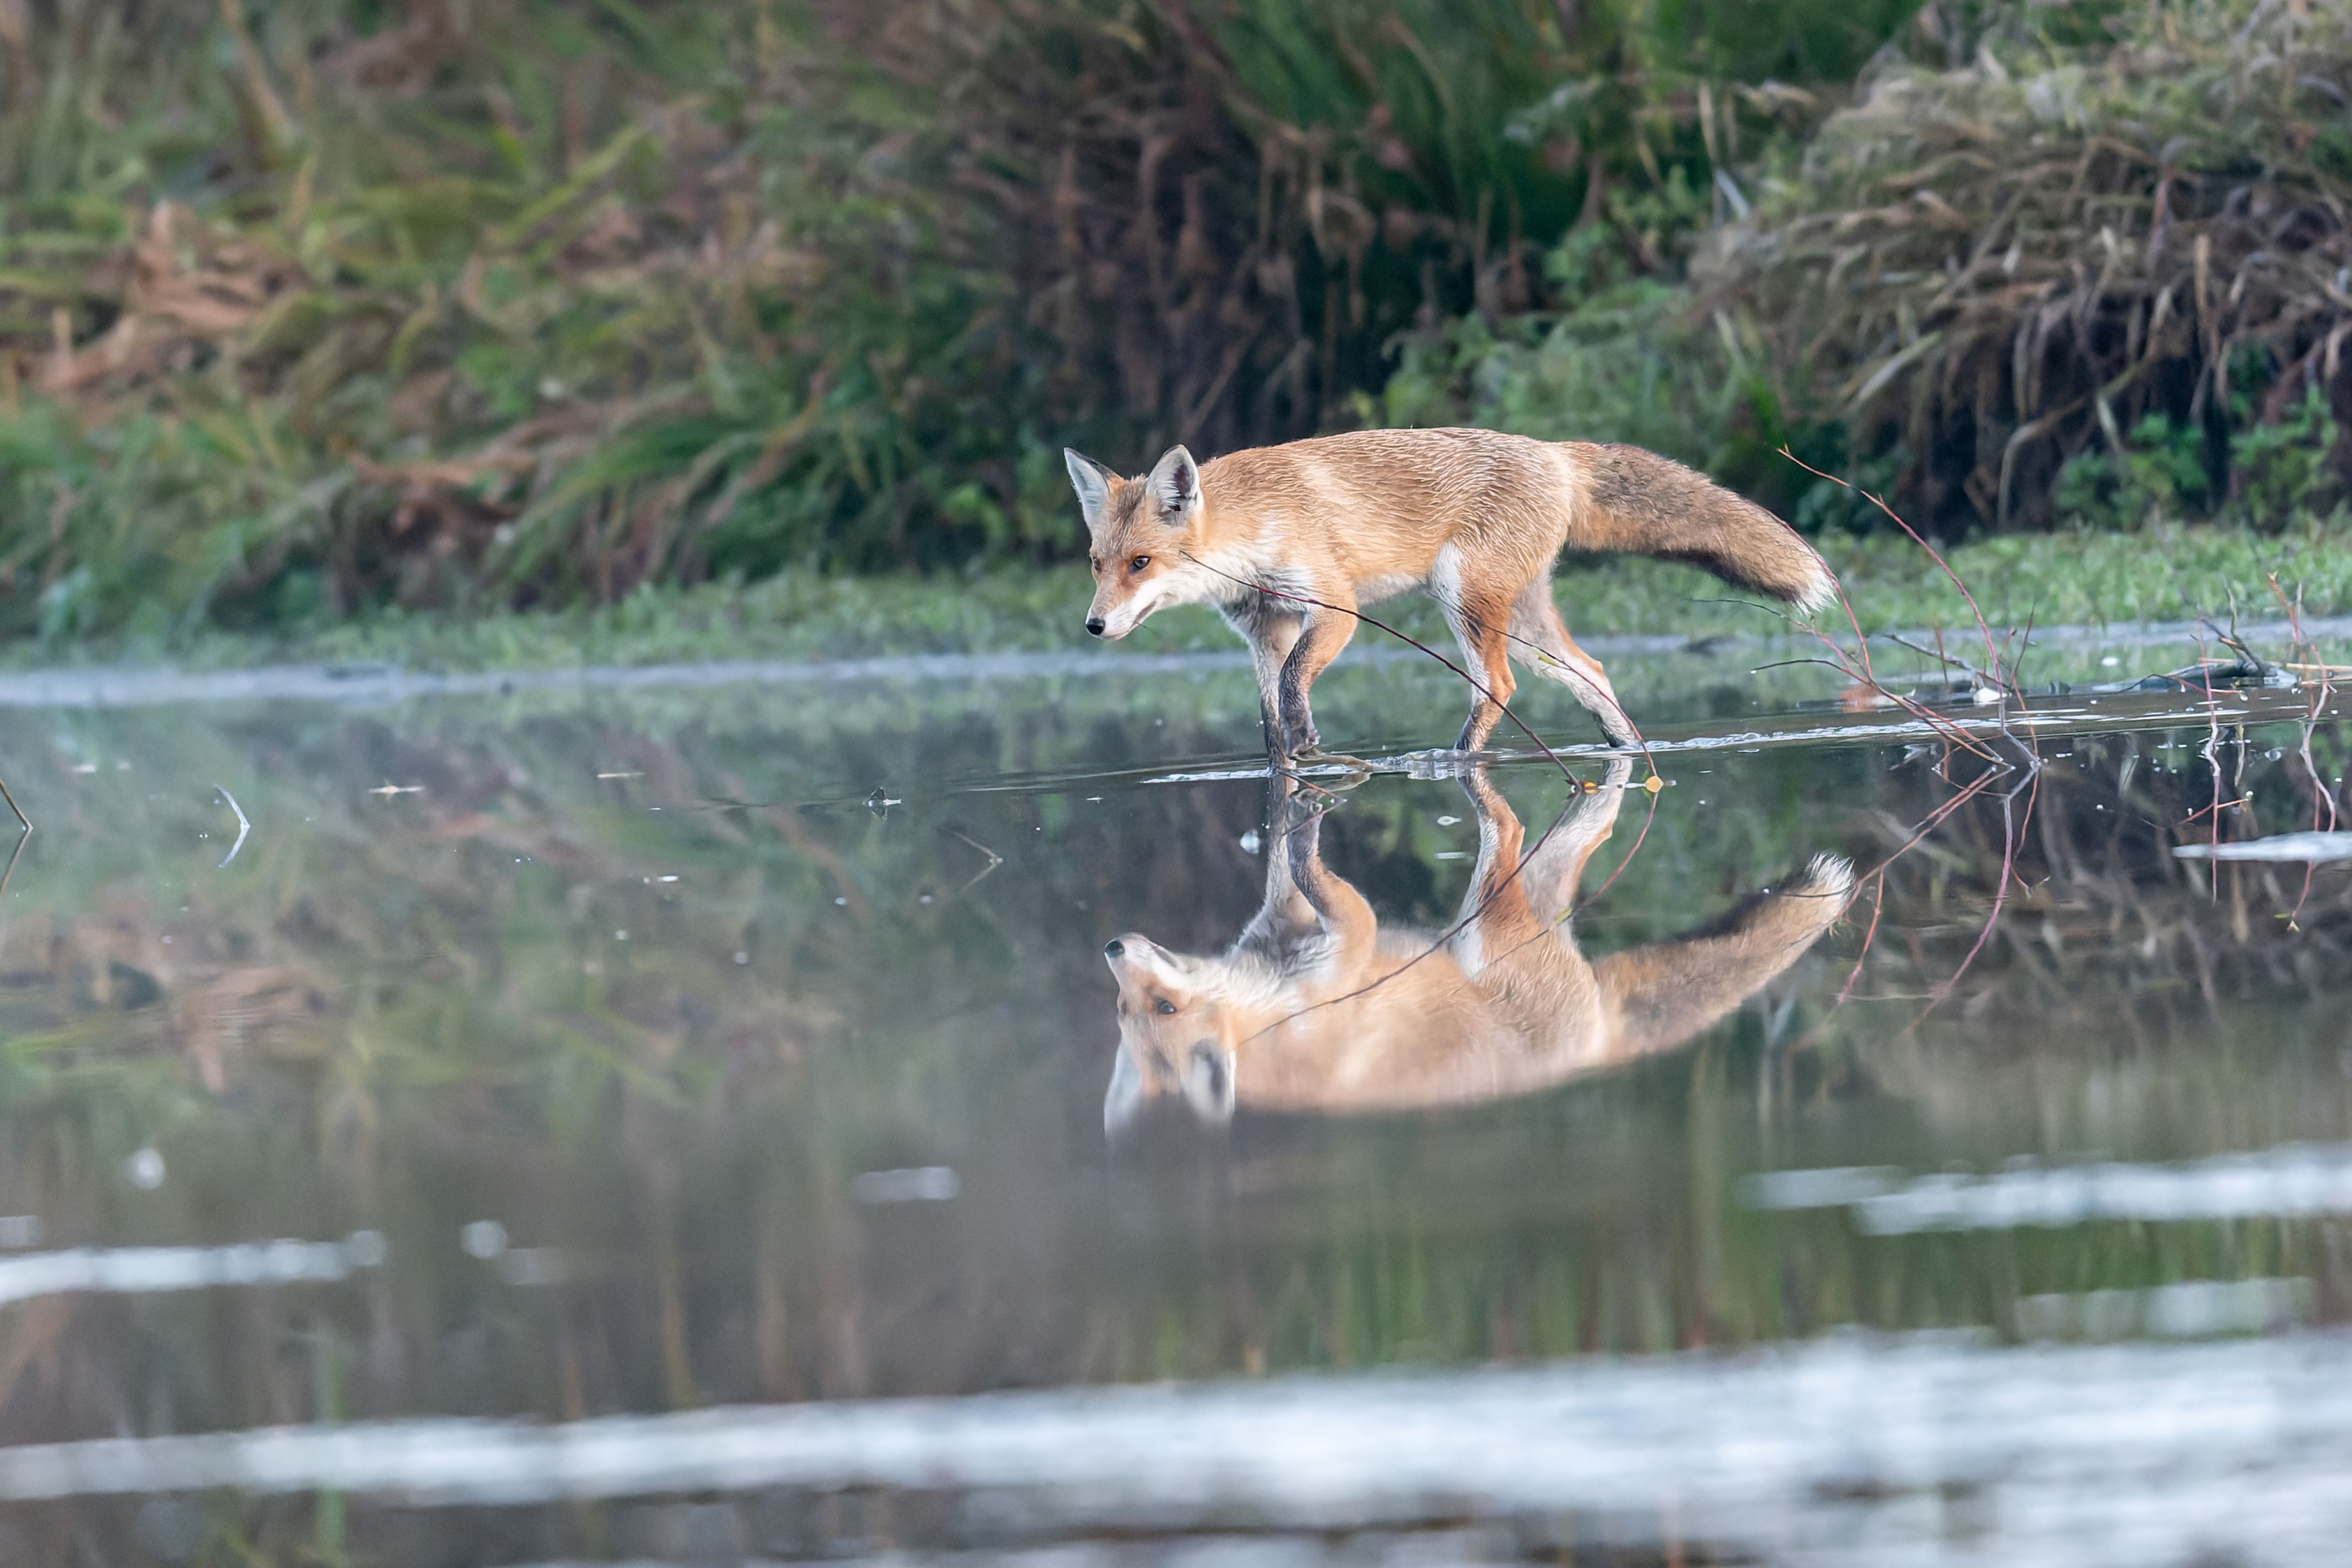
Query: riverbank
x=2167, y=575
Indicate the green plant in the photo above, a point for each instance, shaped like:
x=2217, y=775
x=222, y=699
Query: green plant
x=1634, y=359
x=2278, y=451
x=2155, y=474
x=2280, y=469
x=310, y=309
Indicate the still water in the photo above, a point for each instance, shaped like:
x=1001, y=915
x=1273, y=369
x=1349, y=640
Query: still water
x=628, y=1121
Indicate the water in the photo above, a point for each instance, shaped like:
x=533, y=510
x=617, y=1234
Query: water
x=702, y=1094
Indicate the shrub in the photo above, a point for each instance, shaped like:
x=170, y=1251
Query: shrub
x=1998, y=258
x=309, y=306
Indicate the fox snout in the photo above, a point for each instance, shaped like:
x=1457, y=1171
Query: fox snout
x=1117, y=611
x=1126, y=950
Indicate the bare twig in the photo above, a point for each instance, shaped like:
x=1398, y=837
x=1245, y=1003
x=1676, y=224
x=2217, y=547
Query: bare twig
x=995, y=860
x=25, y=834
x=1991, y=658
x=243, y=827
x=2321, y=796
x=2213, y=761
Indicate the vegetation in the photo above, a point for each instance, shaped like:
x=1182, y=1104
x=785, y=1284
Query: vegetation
x=308, y=309
x=315, y=309
x=2072, y=264
x=2166, y=572
x=1997, y=270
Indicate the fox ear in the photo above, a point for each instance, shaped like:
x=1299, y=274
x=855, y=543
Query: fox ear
x=1176, y=485
x=1209, y=1082
x=1092, y=481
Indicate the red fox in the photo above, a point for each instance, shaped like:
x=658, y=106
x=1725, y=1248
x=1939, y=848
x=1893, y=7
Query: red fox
x=1318, y=1009
x=1475, y=517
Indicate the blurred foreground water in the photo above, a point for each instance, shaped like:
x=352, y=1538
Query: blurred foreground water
x=667, y=1123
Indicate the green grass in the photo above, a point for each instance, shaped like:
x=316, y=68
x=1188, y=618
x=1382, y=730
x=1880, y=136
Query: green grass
x=2045, y=580
x=308, y=311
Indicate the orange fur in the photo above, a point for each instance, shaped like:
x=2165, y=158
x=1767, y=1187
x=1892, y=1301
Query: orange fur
x=1473, y=516
x=1318, y=1009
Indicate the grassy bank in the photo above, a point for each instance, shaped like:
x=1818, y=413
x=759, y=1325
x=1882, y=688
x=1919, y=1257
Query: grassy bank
x=310, y=314
x=308, y=311
x=2045, y=580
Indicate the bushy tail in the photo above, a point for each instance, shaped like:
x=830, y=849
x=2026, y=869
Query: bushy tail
x=1656, y=996
x=1637, y=501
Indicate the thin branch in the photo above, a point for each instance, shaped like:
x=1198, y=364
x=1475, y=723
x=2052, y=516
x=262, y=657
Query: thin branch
x=995, y=860
x=243, y=827
x=25, y=834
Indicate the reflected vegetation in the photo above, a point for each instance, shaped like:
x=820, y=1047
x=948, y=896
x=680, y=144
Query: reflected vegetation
x=1319, y=1007
x=711, y=1049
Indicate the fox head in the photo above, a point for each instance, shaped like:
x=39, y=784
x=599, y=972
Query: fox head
x=1175, y=1035
x=1140, y=534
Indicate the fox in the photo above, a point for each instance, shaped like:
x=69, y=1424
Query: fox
x=1288, y=542
x=1319, y=1008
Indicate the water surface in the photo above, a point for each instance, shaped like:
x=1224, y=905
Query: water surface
x=586, y=1052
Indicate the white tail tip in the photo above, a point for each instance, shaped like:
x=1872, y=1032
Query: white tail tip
x=1822, y=592
x=1829, y=874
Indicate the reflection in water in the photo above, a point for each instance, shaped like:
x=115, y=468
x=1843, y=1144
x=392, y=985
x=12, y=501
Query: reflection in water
x=2295, y=1182
x=2192, y=1309
x=677, y=1076
x=138, y=1270
x=1317, y=1008
x=1842, y=1453
x=2280, y=847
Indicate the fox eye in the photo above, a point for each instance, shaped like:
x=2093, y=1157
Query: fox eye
x=1164, y=1005
x=1139, y=563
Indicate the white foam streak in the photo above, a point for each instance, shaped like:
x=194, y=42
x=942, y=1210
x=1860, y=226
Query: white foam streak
x=2293, y=1181
x=139, y=1269
x=2287, y=847
x=1842, y=1453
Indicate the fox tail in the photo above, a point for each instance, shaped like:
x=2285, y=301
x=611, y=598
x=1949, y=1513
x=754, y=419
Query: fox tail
x=1637, y=502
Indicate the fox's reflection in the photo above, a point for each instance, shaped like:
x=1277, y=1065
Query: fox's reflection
x=1317, y=1008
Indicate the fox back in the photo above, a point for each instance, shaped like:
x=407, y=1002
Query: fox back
x=1290, y=541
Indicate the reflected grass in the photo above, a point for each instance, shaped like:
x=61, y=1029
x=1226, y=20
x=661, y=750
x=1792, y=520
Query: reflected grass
x=410, y=1013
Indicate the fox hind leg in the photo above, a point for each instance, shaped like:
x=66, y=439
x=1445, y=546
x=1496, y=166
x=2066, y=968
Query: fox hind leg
x=1543, y=645
x=1479, y=618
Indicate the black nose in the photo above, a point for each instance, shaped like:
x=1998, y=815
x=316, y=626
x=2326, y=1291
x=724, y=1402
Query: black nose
x=1114, y=947
x=1095, y=624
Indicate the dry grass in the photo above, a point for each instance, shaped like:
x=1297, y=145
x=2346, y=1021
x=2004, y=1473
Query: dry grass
x=308, y=309
x=2002, y=265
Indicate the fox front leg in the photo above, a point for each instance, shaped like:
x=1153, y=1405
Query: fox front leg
x=1271, y=636
x=1327, y=631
